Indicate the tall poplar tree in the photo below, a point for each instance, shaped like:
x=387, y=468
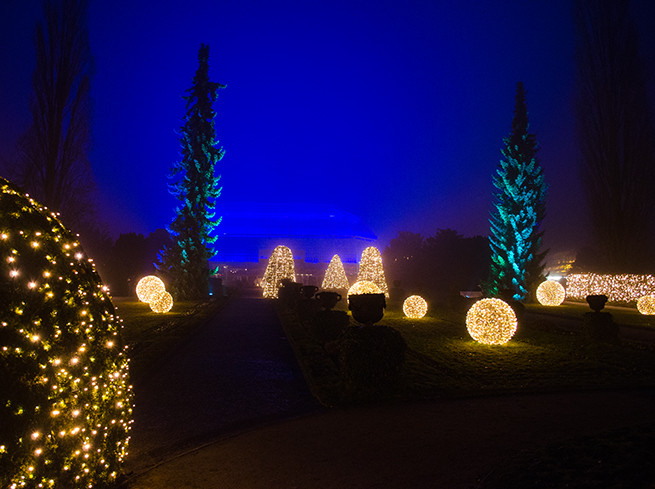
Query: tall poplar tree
x=53, y=165
x=194, y=182
x=519, y=209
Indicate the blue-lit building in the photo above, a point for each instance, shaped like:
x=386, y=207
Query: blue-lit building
x=249, y=232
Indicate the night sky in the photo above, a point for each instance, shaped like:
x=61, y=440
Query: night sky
x=392, y=110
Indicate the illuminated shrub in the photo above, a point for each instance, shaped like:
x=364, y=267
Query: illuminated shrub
x=66, y=402
x=148, y=287
x=491, y=321
x=646, y=305
x=415, y=307
x=161, y=302
x=152, y=290
x=364, y=287
x=370, y=269
x=280, y=266
x=550, y=293
x=335, y=275
x=622, y=288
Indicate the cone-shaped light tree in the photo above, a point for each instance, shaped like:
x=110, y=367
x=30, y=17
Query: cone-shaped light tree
x=195, y=184
x=335, y=275
x=370, y=268
x=519, y=209
x=280, y=266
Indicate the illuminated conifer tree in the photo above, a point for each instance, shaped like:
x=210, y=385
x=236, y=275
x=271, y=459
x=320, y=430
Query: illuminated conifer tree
x=335, y=275
x=370, y=268
x=195, y=184
x=280, y=266
x=515, y=236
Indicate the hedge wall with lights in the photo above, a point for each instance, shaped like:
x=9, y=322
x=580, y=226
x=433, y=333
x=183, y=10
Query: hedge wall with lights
x=66, y=404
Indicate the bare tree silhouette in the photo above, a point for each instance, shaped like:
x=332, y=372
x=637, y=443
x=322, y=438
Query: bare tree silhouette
x=53, y=164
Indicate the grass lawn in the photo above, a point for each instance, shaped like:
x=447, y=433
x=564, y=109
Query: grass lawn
x=150, y=335
x=443, y=360
x=625, y=316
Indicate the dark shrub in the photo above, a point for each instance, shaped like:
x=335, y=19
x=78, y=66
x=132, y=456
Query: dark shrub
x=328, y=326
x=370, y=358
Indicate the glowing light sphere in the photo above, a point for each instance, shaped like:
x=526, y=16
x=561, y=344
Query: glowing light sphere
x=646, y=305
x=148, y=287
x=491, y=321
x=335, y=275
x=67, y=407
x=280, y=266
x=364, y=287
x=371, y=269
x=415, y=307
x=550, y=293
x=161, y=302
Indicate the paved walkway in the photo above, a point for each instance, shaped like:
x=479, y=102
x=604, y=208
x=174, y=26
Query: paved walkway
x=237, y=370
x=449, y=444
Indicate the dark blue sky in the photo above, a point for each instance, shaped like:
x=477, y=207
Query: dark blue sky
x=392, y=110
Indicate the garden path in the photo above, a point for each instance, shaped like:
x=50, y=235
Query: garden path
x=235, y=371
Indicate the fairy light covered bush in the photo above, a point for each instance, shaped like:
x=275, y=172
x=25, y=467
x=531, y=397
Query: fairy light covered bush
x=550, y=293
x=67, y=404
x=364, y=287
x=415, y=307
x=491, y=322
x=151, y=289
x=161, y=302
x=280, y=266
x=618, y=288
x=335, y=275
x=148, y=287
x=646, y=305
x=371, y=269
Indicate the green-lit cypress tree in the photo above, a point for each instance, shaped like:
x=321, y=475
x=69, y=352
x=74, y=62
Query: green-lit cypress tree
x=195, y=184
x=519, y=209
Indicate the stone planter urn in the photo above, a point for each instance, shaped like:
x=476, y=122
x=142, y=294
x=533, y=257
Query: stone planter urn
x=599, y=326
x=328, y=299
x=597, y=302
x=308, y=291
x=289, y=293
x=367, y=308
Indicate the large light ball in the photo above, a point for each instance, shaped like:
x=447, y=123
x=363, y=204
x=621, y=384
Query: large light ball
x=364, y=287
x=148, y=287
x=66, y=402
x=161, y=302
x=491, y=321
x=646, y=305
x=550, y=293
x=415, y=307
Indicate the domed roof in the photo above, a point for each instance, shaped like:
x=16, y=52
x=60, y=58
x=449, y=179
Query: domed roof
x=302, y=220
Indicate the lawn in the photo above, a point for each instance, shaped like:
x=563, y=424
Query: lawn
x=623, y=315
x=442, y=360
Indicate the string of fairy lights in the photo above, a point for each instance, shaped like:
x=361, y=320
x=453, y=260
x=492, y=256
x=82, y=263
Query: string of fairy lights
x=335, y=276
x=67, y=417
x=280, y=267
x=151, y=289
x=617, y=288
x=491, y=321
x=371, y=269
x=550, y=293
